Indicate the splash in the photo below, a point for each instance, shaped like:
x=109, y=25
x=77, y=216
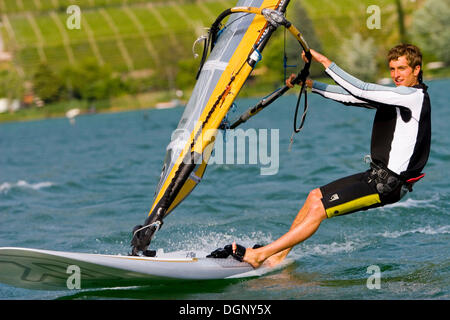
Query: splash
x=210, y=241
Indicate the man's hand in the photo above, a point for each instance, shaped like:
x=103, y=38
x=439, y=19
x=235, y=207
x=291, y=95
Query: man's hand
x=309, y=82
x=318, y=57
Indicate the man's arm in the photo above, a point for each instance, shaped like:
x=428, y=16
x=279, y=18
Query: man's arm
x=337, y=93
x=370, y=92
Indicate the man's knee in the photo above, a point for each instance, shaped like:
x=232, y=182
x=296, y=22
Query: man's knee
x=316, y=207
x=315, y=195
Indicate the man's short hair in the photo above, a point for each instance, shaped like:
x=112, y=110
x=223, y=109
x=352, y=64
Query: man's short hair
x=412, y=54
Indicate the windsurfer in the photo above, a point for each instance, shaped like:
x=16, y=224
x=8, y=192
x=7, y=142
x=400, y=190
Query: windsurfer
x=400, y=148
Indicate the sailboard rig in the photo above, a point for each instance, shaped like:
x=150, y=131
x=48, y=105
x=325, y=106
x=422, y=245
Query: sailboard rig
x=235, y=50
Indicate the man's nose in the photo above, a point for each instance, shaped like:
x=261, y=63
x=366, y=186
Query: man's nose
x=395, y=73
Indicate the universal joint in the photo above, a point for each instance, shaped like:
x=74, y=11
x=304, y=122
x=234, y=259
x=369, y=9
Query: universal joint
x=275, y=18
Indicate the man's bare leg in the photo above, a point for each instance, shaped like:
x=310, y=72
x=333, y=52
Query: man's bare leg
x=278, y=257
x=305, y=224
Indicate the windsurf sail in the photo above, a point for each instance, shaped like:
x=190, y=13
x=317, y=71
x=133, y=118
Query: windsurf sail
x=235, y=50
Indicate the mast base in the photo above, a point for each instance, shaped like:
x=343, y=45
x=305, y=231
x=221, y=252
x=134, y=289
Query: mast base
x=142, y=236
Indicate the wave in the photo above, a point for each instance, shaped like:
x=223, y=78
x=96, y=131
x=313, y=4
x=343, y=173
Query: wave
x=423, y=230
x=327, y=249
x=6, y=186
x=207, y=242
x=413, y=203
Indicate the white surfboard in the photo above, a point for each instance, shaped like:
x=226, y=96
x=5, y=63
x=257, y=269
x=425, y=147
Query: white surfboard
x=57, y=270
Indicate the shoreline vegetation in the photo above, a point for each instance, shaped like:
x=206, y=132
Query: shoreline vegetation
x=117, y=104
x=142, y=101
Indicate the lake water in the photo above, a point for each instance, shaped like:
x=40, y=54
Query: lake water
x=83, y=187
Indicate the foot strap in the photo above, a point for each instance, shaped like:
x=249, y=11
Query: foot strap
x=238, y=251
x=235, y=250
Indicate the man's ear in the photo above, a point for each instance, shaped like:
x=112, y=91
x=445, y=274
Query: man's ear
x=416, y=70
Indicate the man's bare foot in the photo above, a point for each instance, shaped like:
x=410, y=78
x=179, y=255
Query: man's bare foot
x=256, y=258
x=253, y=257
x=275, y=259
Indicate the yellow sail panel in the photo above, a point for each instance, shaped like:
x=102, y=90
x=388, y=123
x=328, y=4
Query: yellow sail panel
x=209, y=129
x=191, y=183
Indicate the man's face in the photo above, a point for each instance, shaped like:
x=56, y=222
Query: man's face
x=402, y=74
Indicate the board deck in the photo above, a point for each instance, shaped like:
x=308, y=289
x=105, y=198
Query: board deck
x=58, y=270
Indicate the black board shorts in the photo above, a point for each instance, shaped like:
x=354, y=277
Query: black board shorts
x=354, y=193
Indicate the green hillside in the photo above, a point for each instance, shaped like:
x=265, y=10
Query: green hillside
x=126, y=35
x=145, y=47
x=131, y=35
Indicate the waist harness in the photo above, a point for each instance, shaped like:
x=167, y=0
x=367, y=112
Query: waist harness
x=386, y=180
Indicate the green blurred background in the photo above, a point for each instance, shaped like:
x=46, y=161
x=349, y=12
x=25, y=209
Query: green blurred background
x=132, y=54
